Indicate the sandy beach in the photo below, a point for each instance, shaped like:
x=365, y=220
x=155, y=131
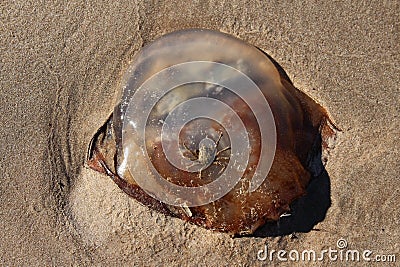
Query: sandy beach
x=60, y=71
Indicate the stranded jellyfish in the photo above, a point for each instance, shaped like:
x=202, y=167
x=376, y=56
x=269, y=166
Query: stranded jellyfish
x=208, y=130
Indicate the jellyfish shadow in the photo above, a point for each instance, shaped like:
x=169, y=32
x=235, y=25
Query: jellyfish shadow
x=310, y=209
x=305, y=213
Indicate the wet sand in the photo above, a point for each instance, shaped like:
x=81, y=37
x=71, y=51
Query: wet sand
x=60, y=69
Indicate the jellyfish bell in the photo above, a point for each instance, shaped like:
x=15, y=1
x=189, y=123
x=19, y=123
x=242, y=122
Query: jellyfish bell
x=208, y=130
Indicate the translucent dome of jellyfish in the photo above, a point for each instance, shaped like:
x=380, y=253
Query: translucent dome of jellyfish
x=207, y=129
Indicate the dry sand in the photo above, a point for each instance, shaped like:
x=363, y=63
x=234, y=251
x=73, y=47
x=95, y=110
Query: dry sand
x=60, y=68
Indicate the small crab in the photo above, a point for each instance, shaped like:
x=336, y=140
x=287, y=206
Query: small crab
x=207, y=154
